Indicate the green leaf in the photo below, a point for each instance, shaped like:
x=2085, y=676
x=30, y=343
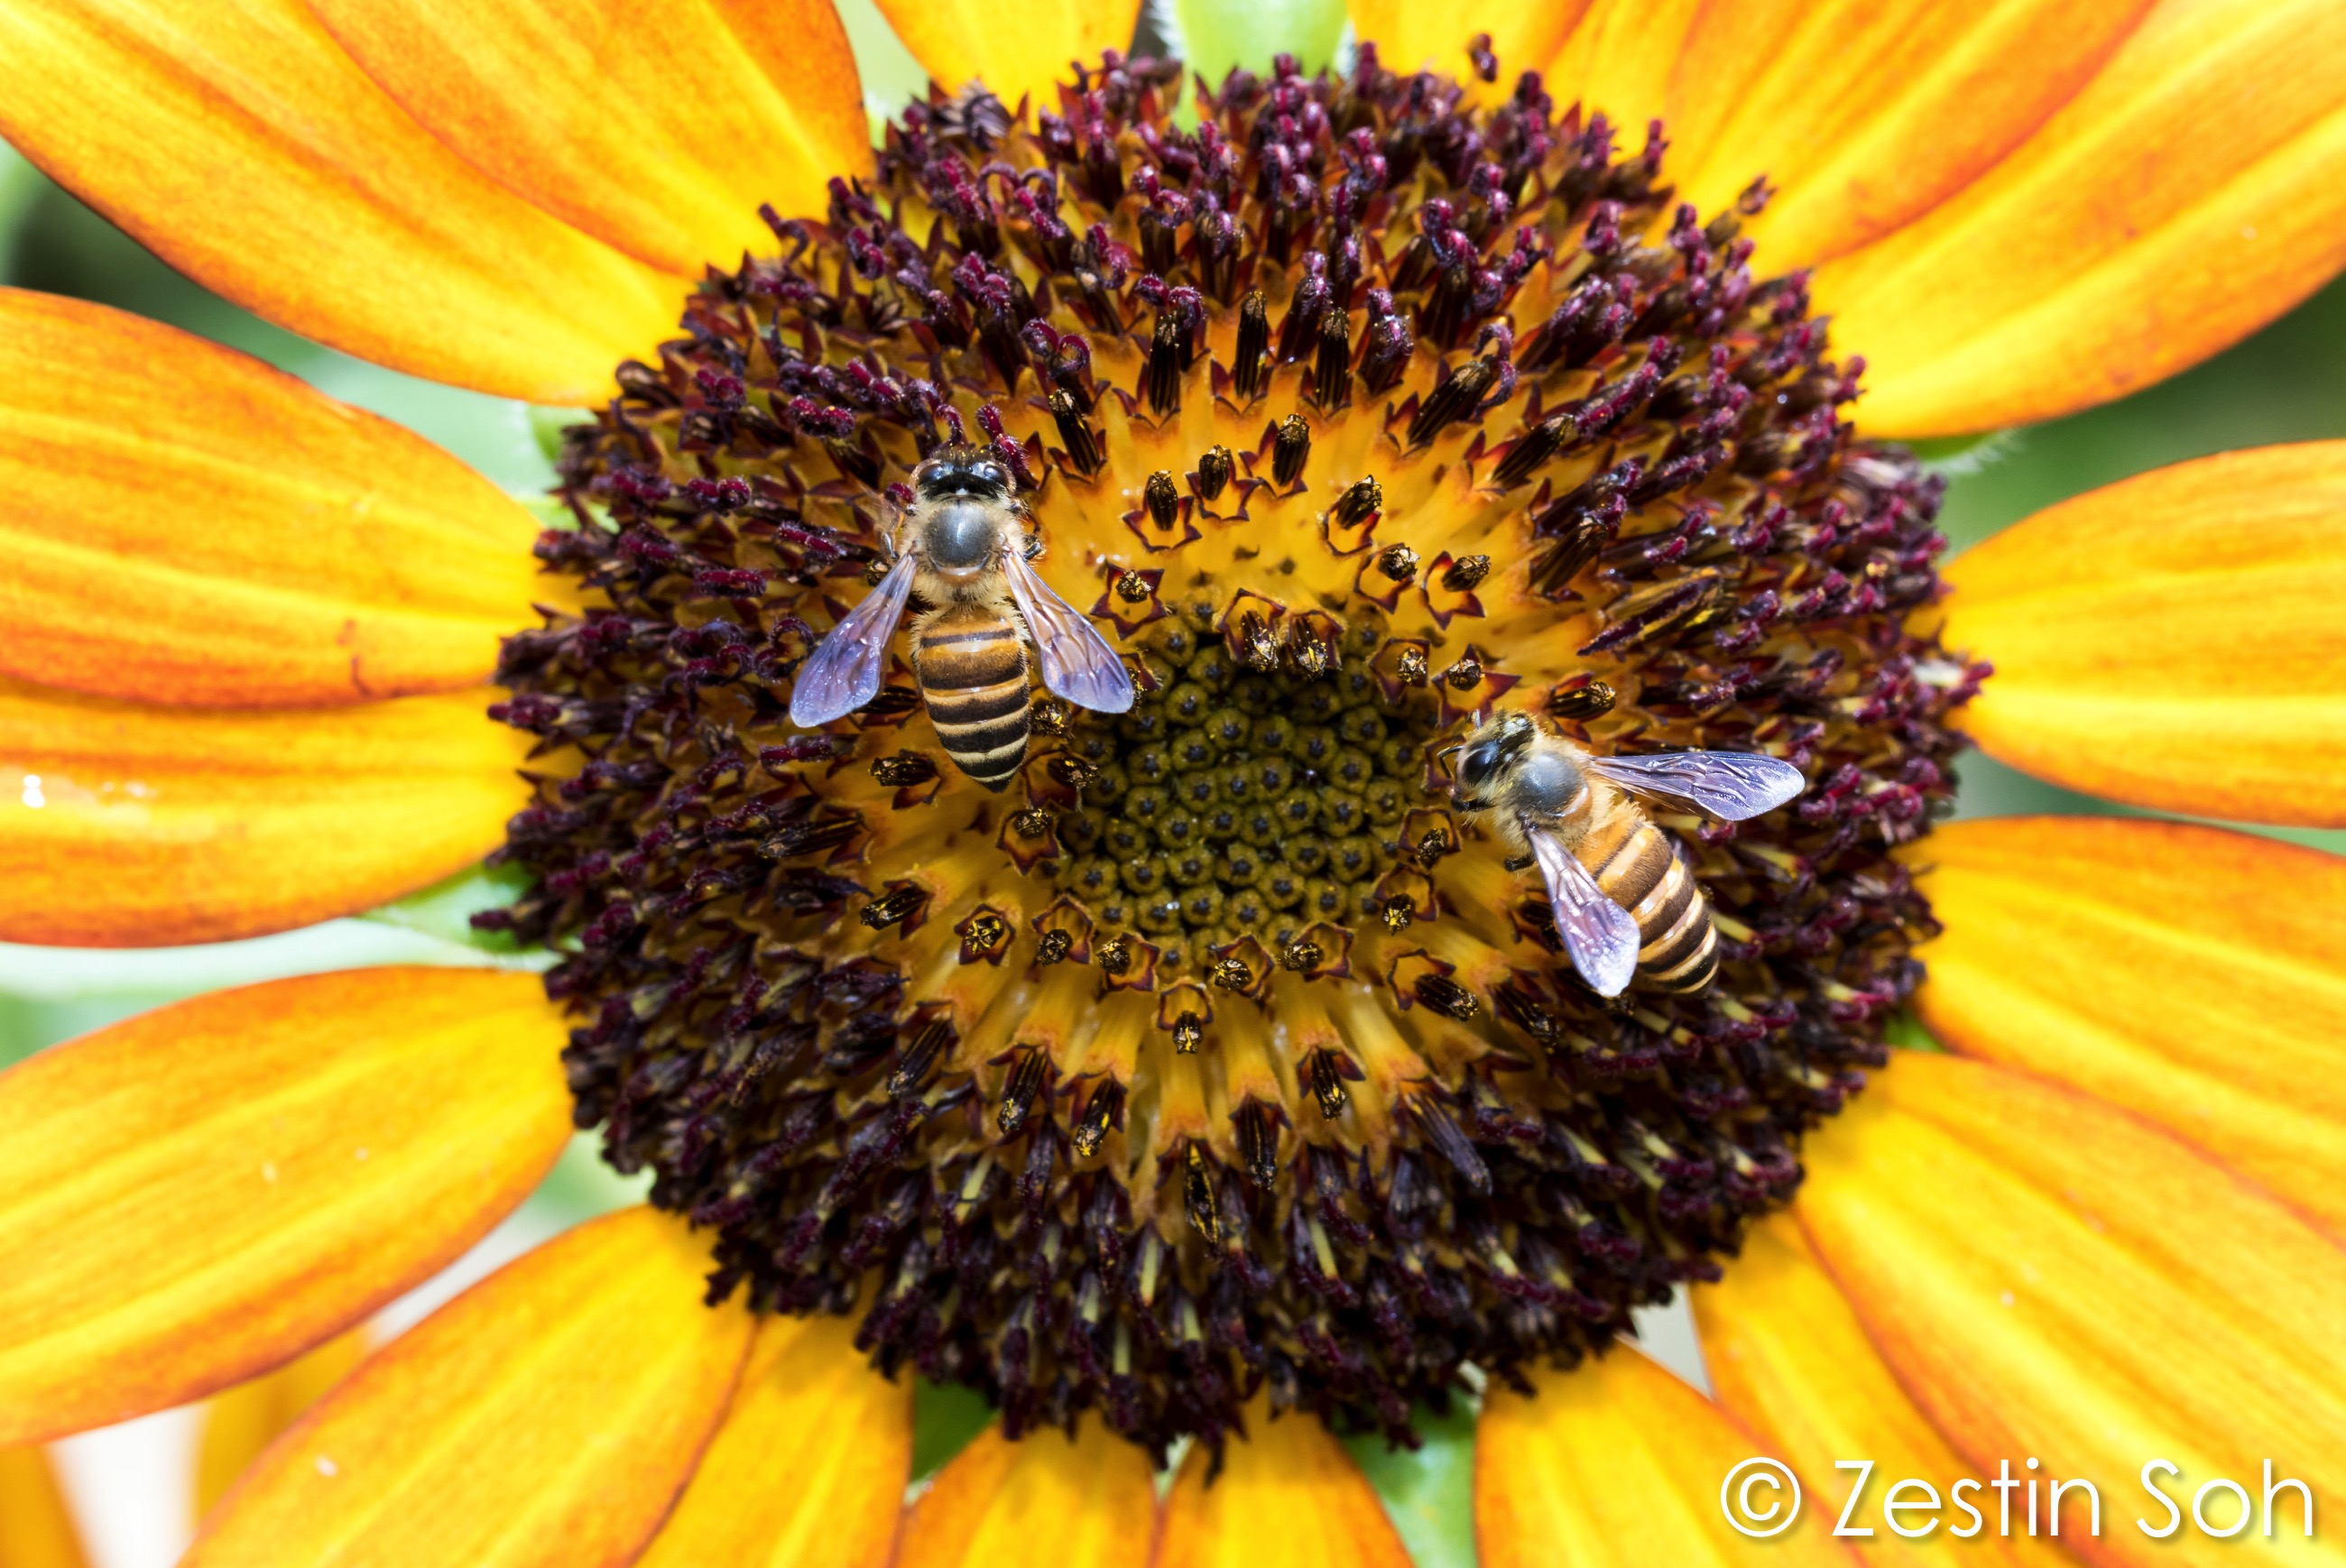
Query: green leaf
x=946, y=1418
x=1212, y=36
x=1904, y=1031
x=580, y=1185
x=891, y=78
x=1429, y=1492
x=1959, y=456
x=548, y=426
x=445, y=909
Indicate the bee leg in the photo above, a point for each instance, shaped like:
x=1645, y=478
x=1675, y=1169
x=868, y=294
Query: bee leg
x=1520, y=863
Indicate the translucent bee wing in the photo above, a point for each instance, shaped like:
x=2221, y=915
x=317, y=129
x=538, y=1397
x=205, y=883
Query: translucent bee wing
x=1078, y=662
x=1728, y=785
x=842, y=673
x=1596, y=931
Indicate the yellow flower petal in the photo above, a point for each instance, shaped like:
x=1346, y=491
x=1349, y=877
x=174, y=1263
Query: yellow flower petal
x=2195, y=976
x=186, y=525
x=128, y=826
x=656, y=127
x=1865, y=113
x=1090, y=1504
x=1289, y=1496
x=1411, y=36
x=2174, y=640
x=958, y=40
x=35, y=1529
x=2182, y=200
x=245, y=1419
x=1619, y=61
x=1787, y=1357
x=200, y=1194
x=811, y=1410
x=2052, y=1277
x=239, y=143
x=547, y=1416
x=1618, y=1462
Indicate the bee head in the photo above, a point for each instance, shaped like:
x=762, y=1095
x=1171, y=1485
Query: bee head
x=1487, y=753
x=961, y=471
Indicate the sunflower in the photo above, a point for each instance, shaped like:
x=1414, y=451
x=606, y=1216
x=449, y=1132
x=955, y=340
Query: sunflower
x=1203, y=1083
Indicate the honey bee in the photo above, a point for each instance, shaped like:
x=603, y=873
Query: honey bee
x=963, y=543
x=1624, y=902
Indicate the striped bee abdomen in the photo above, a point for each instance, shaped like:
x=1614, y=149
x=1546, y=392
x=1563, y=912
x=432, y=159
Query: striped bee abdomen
x=972, y=665
x=1632, y=861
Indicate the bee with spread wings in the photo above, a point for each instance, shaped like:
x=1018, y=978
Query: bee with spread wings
x=1623, y=901
x=963, y=543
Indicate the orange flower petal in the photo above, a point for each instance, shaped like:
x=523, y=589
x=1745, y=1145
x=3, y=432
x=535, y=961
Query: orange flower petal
x=200, y=1194
x=2051, y=1278
x=2195, y=976
x=657, y=128
x=242, y=146
x=810, y=1410
x=1289, y=1496
x=547, y=1416
x=1865, y=113
x=1618, y=1462
x=2183, y=198
x=128, y=826
x=244, y=1421
x=337, y=557
x=1093, y=1501
x=35, y=1528
x=2174, y=640
x=1787, y=1357
x=1417, y=37
x=958, y=40
x=1620, y=60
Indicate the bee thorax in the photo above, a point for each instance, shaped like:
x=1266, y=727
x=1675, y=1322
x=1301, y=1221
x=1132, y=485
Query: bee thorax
x=960, y=535
x=1548, y=783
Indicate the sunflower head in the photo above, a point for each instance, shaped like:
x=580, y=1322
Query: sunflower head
x=1220, y=1051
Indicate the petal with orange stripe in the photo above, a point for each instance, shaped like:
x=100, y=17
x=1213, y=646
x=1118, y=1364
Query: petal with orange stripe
x=200, y=1194
x=810, y=1468
x=1093, y=1499
x=241, y=145
x=1865, y=113
x=550, y=1415
x=185, y=524
x=2192, y=975
x=240, y=1422
x=1618, y=1462
x=37, y=1529
x=128, y=826
x=657, y=128
x=958, y=41
x=2052, y=1277
x=2181, y=200
x=1288, y=1496
x=2173, y=640
x=1787, y=1357
x=1620, y=60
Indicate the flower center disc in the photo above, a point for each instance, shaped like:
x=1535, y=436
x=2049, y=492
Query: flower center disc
x=1217, y=1051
